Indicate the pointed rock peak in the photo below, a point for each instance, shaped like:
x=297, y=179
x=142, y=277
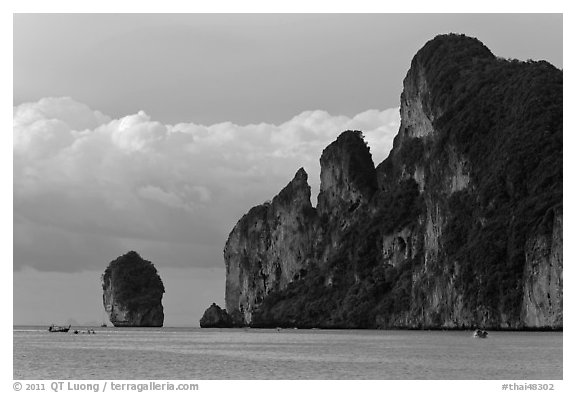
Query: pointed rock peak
x=350, y=135
x=297, y=192
x=301, y=175
x=300, y=180
x=348, y=143
x=347, y=173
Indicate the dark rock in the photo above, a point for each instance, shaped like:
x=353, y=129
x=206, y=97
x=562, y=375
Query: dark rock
x=215, y=317
x=133, y=292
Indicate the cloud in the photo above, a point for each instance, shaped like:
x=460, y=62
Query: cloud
x=85, y=182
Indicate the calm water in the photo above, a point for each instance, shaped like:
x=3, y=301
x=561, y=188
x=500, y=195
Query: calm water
x=190, y=353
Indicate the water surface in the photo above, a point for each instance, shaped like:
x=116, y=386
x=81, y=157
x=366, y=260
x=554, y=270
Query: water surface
x=193, y=353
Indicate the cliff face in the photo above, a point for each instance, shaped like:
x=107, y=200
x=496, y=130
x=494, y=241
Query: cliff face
x=133, y=292
x=269, y=247
x=542, y=300
x=461, y=226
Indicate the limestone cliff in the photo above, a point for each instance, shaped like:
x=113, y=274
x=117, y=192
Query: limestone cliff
x=543, y=276
x=269, y=247
x=460, y=227
x=133, y=292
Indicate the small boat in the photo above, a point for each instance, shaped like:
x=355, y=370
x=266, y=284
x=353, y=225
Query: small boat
x=104, y=325
x=480, y=333
x=88, y=331
x=59, y=329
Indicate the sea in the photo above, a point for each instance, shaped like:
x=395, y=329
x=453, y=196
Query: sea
x=221, y=354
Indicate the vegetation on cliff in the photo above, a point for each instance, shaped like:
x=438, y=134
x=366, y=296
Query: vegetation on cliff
x=355, y=288
x=456, y=206
x=505, y=116
x=135, y=282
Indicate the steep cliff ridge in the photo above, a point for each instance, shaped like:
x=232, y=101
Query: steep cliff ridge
x=269, y=247
x=133, y=292
x=460, y=227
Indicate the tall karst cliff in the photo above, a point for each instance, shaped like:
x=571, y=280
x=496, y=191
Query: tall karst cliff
x=461, y=226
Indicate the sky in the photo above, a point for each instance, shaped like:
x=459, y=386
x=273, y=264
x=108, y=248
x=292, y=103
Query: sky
x=157, y=132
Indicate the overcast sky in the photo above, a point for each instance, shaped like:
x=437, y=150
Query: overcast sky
x=157, y=132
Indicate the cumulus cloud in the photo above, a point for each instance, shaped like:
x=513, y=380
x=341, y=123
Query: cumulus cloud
x=87, y=187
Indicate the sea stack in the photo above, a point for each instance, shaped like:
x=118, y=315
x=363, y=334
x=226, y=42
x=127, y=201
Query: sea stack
x=215, y=317
x=133, y=292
